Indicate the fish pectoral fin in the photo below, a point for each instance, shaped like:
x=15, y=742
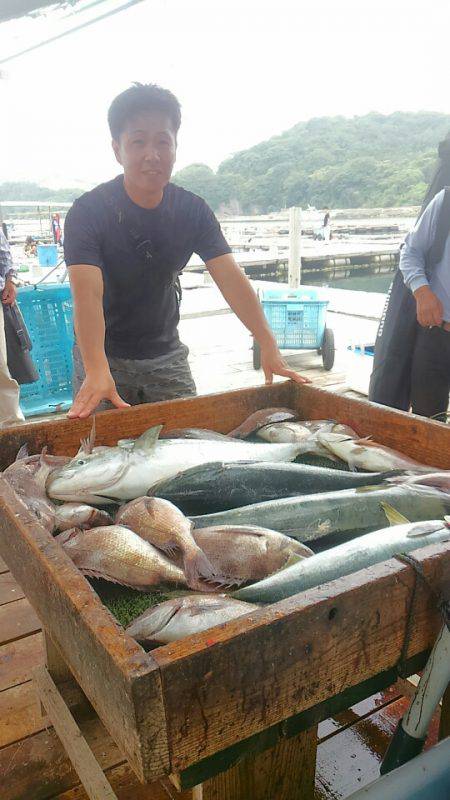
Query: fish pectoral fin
x=364, y=489
x=110, y=500
x=147, y=441
x=421, y=529
x=294, y=558
x=393, y=516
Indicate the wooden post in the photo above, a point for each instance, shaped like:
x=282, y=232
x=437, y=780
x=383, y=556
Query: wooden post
x=83, y=760
x=286, y=772
x=55, y=663
x=444, y=726
x=295, y=256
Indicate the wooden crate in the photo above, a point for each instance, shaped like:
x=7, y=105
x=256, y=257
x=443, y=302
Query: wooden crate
x=193, y=708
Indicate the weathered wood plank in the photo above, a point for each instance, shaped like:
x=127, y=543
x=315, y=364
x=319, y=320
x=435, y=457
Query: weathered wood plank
x=341, y=707
x=38, y=767
x=62, y=437
x=286, y=772
x=422, y=439
x=17, y=620
x=75, y=745
x=3, y=566
x=108, y=665
x=228, y=684
x=444, y=724
x=54, y=661
x=9, y=589
x=18, y=658
x=126, y=787
x=19, y=713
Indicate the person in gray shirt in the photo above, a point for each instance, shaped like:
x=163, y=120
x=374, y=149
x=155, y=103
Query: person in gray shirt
x=10, y=413
x=430, y=375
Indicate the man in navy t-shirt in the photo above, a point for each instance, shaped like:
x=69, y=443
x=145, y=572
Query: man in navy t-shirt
x=125, y=244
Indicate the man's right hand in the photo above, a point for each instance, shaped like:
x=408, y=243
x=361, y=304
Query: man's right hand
x=93, y=391
x=429, y=308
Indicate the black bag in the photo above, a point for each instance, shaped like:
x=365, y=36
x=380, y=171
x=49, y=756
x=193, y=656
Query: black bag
x=390, y=382
x=18, y=346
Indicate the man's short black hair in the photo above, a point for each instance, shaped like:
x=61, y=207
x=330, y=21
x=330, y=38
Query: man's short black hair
x=142, y=98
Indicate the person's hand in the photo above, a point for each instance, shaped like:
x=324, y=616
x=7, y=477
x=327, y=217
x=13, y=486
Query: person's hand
x=273, y=364
x=429, y=308
x=9, y=293
x=93, y=390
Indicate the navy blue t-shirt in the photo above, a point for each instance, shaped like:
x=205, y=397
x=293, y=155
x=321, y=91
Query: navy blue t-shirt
x=140, y=299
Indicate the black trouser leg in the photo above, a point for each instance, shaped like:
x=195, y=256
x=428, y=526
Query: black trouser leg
x=430, y=377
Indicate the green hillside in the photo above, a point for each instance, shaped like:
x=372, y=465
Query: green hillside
x=373, y=160
x=26, y=190
x=369, y=161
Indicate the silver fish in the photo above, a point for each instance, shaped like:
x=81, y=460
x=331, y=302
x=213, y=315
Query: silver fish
x=306, y=434
x=344, y=559
x=347, y=512
x=116, y=554
x=369, y=456
x=125, y=474
x=184, y=616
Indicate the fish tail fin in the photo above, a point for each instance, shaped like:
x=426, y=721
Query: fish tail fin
x=197, y=567
x=397, y=475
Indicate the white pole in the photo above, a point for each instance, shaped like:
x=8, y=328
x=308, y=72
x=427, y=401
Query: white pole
x=295, y=257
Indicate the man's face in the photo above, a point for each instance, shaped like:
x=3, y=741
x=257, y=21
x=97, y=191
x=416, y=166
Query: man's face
x=147, y=150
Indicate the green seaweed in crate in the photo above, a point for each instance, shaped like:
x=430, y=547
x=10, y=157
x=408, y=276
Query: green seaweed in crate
x=124, y=603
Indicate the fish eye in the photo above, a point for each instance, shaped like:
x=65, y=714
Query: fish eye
x=80, y=462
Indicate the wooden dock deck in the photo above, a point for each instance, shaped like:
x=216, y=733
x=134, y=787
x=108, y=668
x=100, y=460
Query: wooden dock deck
x=332, y=259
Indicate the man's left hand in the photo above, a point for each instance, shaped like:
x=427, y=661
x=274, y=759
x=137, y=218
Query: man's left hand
x=9, y=293
x=273, y=364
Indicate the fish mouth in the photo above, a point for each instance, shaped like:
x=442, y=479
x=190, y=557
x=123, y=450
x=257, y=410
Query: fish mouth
x=61, y=485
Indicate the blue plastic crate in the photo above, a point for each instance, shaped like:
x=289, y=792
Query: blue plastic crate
x=47, y=311
x=296, y=317
x=47, y=255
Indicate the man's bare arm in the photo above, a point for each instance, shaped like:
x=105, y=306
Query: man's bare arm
x=241, y=297
x=87, y=290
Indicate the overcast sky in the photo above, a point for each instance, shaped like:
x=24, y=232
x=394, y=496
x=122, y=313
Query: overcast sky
x=244, y=70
